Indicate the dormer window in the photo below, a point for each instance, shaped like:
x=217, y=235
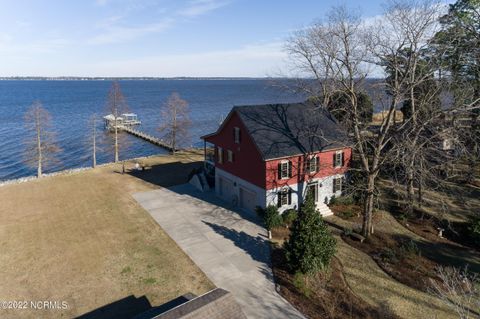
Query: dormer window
x=236, y=135
x=338, y=160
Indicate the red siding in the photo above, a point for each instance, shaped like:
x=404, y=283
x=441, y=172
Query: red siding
x=326, y=168
x=248, y=163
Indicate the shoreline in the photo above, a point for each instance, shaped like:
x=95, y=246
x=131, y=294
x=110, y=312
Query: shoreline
x=71, y=171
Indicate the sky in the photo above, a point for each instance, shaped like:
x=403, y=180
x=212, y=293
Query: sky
x=160, y=38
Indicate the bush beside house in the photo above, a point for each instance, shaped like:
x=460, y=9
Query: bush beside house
x=311, y=246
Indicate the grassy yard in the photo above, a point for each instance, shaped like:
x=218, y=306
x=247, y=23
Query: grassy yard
x=82, y=239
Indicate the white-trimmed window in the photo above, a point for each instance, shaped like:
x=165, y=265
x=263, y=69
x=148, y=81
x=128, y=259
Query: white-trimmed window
x=313, y=164
x=285, y=169
x=337, y=184
x=220, y=155
x=229, y=156
x=338, y=159
x=284, y=197
x=236, y=135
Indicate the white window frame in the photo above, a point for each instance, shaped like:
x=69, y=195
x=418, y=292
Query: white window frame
x=282, y=170
x=339, y=160
x=220, y=155
x=310, y=166
x=338, y=184
x=229, y=156
x=236, y=135
x=283, y=197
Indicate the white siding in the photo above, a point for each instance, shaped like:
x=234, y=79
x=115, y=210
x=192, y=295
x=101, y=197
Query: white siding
x=325, y=193
x=238, y=183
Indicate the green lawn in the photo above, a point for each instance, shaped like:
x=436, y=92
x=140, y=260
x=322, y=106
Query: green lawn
x=83, y=239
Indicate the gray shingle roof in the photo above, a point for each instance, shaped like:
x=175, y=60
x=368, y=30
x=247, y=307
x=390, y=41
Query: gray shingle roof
x=281, y=130
x=216, y=304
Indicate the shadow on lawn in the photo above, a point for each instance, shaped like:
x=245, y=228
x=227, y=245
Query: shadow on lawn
x=446, y=254
x=168, y=174
x=134, y=308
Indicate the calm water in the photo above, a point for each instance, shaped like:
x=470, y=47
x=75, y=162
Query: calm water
x=72, y=103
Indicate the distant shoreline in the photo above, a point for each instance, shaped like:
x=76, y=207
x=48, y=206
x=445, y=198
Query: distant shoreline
x=86, y=78
x=142, y=78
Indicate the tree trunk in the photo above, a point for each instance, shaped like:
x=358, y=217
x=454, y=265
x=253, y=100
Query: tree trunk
x=94, y=164
x=410, y=191
x=116, y=142
x=174, y=131
x=367, y=228
x=39, y=145
x=269, y=234
x=420, y=192
x=413, y=111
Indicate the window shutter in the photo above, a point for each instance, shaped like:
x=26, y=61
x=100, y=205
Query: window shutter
x=279, y=200
x=317, y=159
x=289, y=168
x=289, y=197
x=343, y=160
x=234, y=129
x=279, y=170
x=239, y=135
x=334, y=185
x=334, y=159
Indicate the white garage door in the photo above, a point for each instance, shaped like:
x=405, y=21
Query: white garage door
x=247, y=199
x=226, y=189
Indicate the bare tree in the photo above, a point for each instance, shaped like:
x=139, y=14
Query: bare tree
x=459, y=290
x=93, y=141
x=342, y=52
x=40, y=144
x=430, y=119
x=411, y=81
x=176, y=121
x=116, y=105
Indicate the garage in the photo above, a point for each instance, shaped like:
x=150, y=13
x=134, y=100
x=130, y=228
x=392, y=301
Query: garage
x=225, y=189
x=247, y=199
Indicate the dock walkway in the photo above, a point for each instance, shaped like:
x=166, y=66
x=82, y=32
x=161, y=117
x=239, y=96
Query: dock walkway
x=149, y=138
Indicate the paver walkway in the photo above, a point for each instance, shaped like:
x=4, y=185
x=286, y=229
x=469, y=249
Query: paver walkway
x=231, y=249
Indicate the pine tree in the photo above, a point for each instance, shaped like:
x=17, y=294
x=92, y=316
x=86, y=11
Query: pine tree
x=311, y=245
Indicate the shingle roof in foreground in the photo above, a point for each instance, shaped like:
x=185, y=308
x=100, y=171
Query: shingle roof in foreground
x=282, y=130
x=216, y=304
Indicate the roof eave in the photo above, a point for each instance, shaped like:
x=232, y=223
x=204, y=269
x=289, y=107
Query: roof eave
x=301, y=154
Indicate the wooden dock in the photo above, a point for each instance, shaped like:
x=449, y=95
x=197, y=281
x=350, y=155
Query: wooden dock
x=149, y=138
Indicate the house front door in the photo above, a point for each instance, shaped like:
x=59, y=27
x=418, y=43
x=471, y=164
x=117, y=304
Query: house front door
x=313, y=188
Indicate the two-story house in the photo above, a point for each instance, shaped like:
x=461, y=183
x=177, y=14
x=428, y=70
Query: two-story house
x=273, y=154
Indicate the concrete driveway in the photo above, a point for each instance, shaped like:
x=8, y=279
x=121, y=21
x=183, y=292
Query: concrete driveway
x=231, y=249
